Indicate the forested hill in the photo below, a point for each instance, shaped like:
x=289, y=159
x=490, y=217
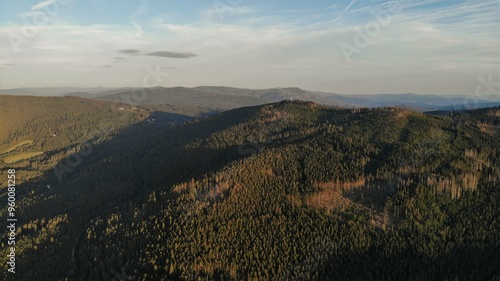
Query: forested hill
x=38, y=132
x=283, y=191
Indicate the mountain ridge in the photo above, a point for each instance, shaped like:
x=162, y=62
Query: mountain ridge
x=243, y=97
x=292, y=190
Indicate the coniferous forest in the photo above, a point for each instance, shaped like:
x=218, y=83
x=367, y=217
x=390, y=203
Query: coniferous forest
x=282, y=191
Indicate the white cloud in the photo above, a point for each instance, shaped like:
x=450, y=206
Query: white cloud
x=140, y=11
x=42, y=4
x=220, y=12
x=417, y=51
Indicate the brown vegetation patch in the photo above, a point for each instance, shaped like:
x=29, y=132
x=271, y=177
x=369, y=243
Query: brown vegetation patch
x=494, y=112
x=341, y=185
x=268, y=172
x=400, y=112
x=331, y=197
x=328, y=200
x=489, y=129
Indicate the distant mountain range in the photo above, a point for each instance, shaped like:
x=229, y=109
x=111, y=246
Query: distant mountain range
x=224, y=98
x=50, y=91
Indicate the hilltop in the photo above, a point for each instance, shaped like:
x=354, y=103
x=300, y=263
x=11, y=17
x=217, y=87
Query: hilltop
x=287, y=190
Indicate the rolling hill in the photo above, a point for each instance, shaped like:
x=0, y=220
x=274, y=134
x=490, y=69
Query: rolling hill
x=50, y=91
x=286, y=190
x=37, y=132
x=216, y=98
x=212, y=99
x=420, y=102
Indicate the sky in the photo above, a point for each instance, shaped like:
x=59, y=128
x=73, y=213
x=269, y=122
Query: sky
x=344, y=46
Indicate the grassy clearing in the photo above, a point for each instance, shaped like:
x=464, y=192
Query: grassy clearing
x=12, y=148
x=22, y=156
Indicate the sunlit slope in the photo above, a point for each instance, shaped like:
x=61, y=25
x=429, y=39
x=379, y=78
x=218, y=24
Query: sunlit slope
x=285, y=191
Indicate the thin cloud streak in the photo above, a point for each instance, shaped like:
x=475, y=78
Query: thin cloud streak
x=167, y=54
x=42, y=4
x=281, y=48
x=129, y=51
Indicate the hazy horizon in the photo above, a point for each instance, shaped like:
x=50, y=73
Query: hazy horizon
x=66, y=89
x=345, y=47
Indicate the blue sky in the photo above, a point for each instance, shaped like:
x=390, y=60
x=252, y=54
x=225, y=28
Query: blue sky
x=345, y=46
